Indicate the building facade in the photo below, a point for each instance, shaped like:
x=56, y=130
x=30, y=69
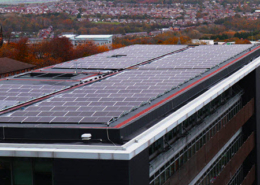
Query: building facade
x=143, y=114
x=99, y=40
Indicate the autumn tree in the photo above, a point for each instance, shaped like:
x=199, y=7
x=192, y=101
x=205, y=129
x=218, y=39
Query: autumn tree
x=87, y=49
x=118, y=45
x=194, y=34
x=101, y=49
x=242, y=41
x=60, y=48
x=50, y=52
x=6, y=51
x=21, y=50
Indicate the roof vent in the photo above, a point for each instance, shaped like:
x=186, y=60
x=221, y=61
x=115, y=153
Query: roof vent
x=86, y=137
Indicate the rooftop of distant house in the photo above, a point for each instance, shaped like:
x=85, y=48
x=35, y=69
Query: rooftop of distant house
x=8, y=65
x=72, y=36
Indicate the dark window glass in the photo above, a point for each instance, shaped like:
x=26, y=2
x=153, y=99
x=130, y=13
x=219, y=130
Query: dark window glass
x=22, y=171
x=42, y=172
x=5, y=172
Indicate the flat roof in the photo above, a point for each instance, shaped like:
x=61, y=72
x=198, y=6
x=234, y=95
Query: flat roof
x=134, y=146
x=69, y=35
x=124, y=100
x=93, y=36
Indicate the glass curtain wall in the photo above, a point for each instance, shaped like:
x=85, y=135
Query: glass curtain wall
x=25, y=171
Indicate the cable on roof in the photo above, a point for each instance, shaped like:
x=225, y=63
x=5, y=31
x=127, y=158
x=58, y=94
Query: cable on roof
x=108, y=135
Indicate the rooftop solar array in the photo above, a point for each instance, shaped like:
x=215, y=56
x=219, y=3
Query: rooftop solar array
x=121, y=58
x=110, y=98
x=12, y=94
x=101, y=101
x=200, y=57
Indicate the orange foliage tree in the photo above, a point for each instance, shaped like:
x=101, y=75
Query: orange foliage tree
x=87, y=49
x=50, y=52
x=242, y=41
x=60, y=48
x=116, y=46
x=21, y=50
x=102, y=49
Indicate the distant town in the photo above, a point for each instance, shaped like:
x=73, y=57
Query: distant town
x=120, y=24
x=25, y=1
x=180, y=14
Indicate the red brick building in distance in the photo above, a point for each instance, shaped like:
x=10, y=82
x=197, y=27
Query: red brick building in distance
x=10, y=67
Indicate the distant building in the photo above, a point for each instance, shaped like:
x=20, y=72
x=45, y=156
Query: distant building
x=99, y=40
x=153, y=33
x=35, y=41
x=138, y=34
x=46, y=33
x=166, y=30
x=10, y=67
x=205, y=42
x=70, y=36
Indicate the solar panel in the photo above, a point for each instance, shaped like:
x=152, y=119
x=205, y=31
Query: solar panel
x=13, y=94
x=110, y=98
x=119, y=93
x=201, y=57
x=121, y=58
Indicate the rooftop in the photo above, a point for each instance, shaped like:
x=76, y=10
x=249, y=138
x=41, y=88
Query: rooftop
x=70, y=36
x=123, y=90
x=94, y=36
x=8, y=65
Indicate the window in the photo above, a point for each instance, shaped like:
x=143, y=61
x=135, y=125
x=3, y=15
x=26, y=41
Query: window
x=172, y=169
x=25, y=171
x=42, y=172
x=185, y=157
x=157, y=182
x=181, y=160
x=162, y=178
x=190, y=149
x=22, y=171
x=193, y=149
x=5, y=172
x=219, y=164
x=176, y=165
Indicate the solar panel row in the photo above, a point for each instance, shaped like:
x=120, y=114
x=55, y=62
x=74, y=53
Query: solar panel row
x=112, y=97
x=103, y=100
x=12, y=94
x=121, y=58
x=198, y=57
